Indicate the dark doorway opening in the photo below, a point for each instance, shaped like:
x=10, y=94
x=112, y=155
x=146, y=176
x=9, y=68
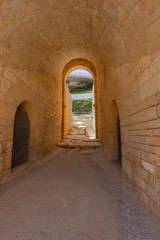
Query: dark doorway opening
x=21, y=137
x=119, y=139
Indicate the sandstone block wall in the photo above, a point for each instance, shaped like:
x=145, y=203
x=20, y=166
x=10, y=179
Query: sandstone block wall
x=41, y=95
x=68, y=110
x=117, y=42
x=135, y=88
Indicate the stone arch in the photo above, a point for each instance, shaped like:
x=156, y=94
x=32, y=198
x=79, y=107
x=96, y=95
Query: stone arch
x=15, y=96
x=115, y=132
x=76, y=64
x=21, y=136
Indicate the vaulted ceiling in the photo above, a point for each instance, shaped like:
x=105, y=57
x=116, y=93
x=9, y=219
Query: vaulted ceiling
x=44, y=35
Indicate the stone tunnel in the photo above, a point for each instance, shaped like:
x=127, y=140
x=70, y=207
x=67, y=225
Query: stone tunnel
x=118, y=42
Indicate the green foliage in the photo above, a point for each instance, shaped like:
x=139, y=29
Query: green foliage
x=80, y=91
x=89, y=85
x=80, y=106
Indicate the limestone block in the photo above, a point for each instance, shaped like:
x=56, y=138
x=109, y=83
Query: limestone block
x=1, y=147
x=145, y=62
x=151, y=87
x=2, y=155
x=153, y=124
x=149, y=167
x=158, y=172
x=10, y=133
x=3, y=134
x=8, y=157
x=9, y=146
x=149, y=114
x=144, y=77
x=156, y=132
x=1, y=167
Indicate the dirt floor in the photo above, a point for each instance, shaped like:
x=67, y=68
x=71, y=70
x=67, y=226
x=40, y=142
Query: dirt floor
x=75, y=195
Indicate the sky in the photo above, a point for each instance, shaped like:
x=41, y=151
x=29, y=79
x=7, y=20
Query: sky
x=80, y=72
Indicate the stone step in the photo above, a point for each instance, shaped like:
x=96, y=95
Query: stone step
x=62, y=144
x=85, y=145
x=90, y=140
x=78, y=137
x=82, y=145
x=77, y=127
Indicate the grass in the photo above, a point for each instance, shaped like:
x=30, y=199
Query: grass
x=82, y=106
x=80, y=91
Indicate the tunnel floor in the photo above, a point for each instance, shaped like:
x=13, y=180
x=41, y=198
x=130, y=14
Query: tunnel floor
x=76, y=194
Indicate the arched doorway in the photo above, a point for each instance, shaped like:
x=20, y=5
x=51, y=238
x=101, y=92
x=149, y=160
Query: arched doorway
x=115, y=132
x=21, y=137
x=82, y=64
x=80, y=84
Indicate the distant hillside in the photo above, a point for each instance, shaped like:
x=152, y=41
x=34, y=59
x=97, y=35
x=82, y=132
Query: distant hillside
x=84, y=82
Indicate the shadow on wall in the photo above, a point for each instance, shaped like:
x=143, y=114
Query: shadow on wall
x=21, y=137
x=114, y=134
x=18, y=98
x=24, y=134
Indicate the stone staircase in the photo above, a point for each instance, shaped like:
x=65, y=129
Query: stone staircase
x=77, y=137
x=81, y=120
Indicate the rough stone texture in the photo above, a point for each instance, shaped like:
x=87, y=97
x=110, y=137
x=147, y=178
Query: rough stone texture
x=81, y=135
x=84, y=121
x=68, y=111
x=40, y=96
x=45, y=35
x=134, y=87
x=74, y=195
x=118, y=42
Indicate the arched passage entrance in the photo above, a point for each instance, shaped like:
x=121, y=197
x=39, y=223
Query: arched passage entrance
x=115, y=132
x=80, y=111
x=71, y=66
x=21, y=137
x=26, y=99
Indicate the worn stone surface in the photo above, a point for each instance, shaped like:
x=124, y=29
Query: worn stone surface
x=81, y=135
x=45, y=35
x=73, y=140
x=76, y=194
x=118, y=42
x=133, y=93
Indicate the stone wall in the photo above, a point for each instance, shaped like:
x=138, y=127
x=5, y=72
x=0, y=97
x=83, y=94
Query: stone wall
x=133, y=91
x=48, y=41
x=40, y=94
x=68, y=110
x=93, y=109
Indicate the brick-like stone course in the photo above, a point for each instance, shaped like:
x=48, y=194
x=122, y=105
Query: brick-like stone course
x=135, y=87
x=118, y=41
x=41, y=92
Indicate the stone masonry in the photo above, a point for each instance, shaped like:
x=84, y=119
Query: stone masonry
x=118, y=42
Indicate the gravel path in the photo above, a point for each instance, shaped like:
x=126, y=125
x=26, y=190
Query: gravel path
x=75, y=195
x=83, y=96
x=135, y=220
